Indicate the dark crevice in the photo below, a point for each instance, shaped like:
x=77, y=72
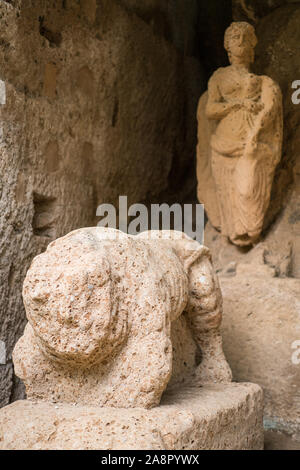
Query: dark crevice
x=115, y=113
x=44, y=216
x=53, y=37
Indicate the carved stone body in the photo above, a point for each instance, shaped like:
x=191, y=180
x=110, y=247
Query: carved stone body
x=113, y=319
x=239, y=141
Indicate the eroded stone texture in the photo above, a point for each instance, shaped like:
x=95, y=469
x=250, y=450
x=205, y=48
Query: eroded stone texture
x=92, y=112
x=254, y=10
x=215, y=417
x=239, y=151
x=101, y=306
x=261, y=323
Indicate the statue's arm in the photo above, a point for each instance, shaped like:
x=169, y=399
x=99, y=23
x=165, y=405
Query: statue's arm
x=272, y=103
x=217, y=108
x=270, y=114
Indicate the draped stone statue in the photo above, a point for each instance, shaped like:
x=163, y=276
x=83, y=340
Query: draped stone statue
x=240, y=134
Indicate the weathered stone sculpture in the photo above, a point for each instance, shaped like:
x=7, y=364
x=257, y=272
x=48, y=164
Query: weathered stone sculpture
x=240, y=141
x=105, y=318
x=115, y=321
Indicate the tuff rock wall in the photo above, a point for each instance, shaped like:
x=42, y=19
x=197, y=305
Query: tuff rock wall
x=100, y=98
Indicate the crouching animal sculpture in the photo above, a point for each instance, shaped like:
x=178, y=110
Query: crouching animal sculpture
x=114, y=319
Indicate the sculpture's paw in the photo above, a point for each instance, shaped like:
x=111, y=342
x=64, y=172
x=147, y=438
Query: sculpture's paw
x=213, y=370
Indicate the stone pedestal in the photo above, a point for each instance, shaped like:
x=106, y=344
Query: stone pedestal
x=211, y=417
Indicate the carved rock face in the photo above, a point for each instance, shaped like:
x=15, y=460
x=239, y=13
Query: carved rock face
x=71, y=304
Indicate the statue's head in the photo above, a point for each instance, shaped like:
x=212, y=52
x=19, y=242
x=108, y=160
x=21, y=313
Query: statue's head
x=71, y=302
x=240, y=41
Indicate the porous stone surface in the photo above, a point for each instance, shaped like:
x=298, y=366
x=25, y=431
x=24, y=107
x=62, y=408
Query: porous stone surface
x=112, y=317
x=261, y=326
x=92, y=112
x=215, y=417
